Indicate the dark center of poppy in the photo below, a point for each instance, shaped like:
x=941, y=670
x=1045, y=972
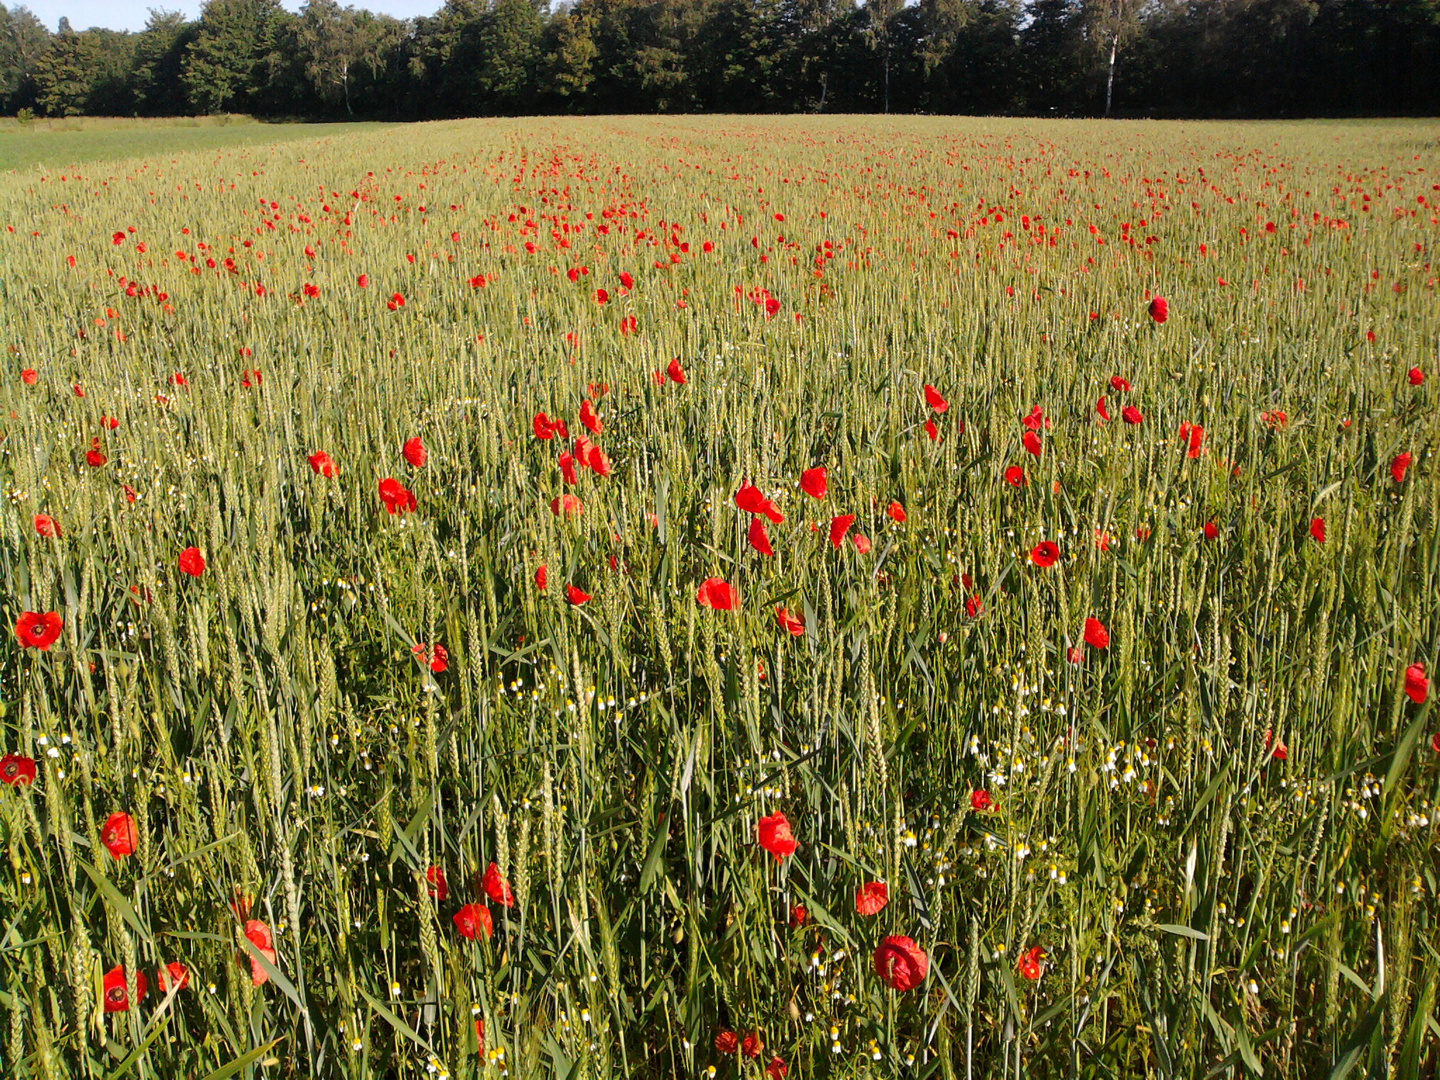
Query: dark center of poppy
x=115, y=995
x=10, y=770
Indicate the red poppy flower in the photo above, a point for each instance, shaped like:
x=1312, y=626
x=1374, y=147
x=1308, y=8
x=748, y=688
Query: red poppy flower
x=1045, y=554
x=777, y=1069
x=974, y=606
x=839, y=526
x=1096, y=636
x=602, y=296
x=1102, y=408
x=589, y=419
x=1131, y=415
x=1015, y=476
x=675, y=371
x=569, y=505
x=1032, y=964
x=1317, y=529
x=567, y=467
x=815, y=482
x=774, y=835
x=598, y=461
x=1032, y=443
x=192, y=562
x=120, y=835
x=16, y=770
x=471, y=919
x=251, y=377
x=799, y=916
x=435, y=884
x=544, y=427
x=896, y=512
x=1194, y=436
x=436, y=657
x=935, y=400
x=750, y=499
x=542, y=577
x=363, y=281
x=932, y=430
x=395, y=302
x=753, y=1043
x=95, y=458
x=39, y=631
x=1399, y=466
x=1416, y=376
x=322, y=464
x=759, y=538
x=1417, y=688
x=1211, y=531
x=496, y=887
x=727, y=1042
x=862, y=543
x=873, y=896
x=173, y=974
x=793, y=622
x=1120, y=384
x=397, y=498
x=30, y=376
x=258, y=934
x=47, y=526
x=577, y=596
x=1074, y=655
x=1159, y=309
x=718, y=594
x=117, y=994
x=901, y=964
x=980, y=800
x=414, y=452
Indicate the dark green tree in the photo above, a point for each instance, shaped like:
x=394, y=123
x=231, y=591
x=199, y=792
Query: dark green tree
x=231, y=65
x=23, y=41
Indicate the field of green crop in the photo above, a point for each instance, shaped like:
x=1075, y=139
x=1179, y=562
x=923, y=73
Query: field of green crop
x=720, y=597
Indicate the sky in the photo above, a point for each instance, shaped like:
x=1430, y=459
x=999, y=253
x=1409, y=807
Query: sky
x=132, y=15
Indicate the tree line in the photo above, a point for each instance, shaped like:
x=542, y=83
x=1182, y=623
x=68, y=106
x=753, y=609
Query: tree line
x=512, y=57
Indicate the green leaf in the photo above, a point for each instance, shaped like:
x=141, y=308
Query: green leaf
x=226, y=1071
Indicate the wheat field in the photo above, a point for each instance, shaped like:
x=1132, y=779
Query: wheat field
x=680, y=597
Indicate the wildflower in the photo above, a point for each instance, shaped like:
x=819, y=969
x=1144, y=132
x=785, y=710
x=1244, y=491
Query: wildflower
x=862, y=543
x=435, y=884
x=395, y=302
x=774, y=835
x=1015, y=476
x=471, y=919
x=1102, y=409
x=718, y=594
x=39, y=631
x=1417, y=685
x=1096, y=636
x=753, y=1043
x=1045, y=554
x=932, y=430
x=1159, y=309
x=258, y=935
x=935, y=400
x=815, y=482
x=191, y=562
x=872, y=897
x=173, y=974
x=1416, y=376
x=397, y=498
x=16, y=770
x=47, y=526
x=777, y=1069
x=896, y=512
x=839, y=526
x=1032, y=443
x=120, y=835
x=759, y=538
x=980, y=800
x=901, y=964
x=542, y=577
x=322, y=464
x=30, y=376
x=414, y=451
x=1317, y=529
x=676, y=372
x=1131, y=415
x=1120, y=384
x=726, y=1042
x=1193, y=435
x=496, y=887
x=1032, y=964
x=117, y=994
x=1399, y=466
x=589, y=419
x=791, y=622
x=568, y=505
x=577, y=596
